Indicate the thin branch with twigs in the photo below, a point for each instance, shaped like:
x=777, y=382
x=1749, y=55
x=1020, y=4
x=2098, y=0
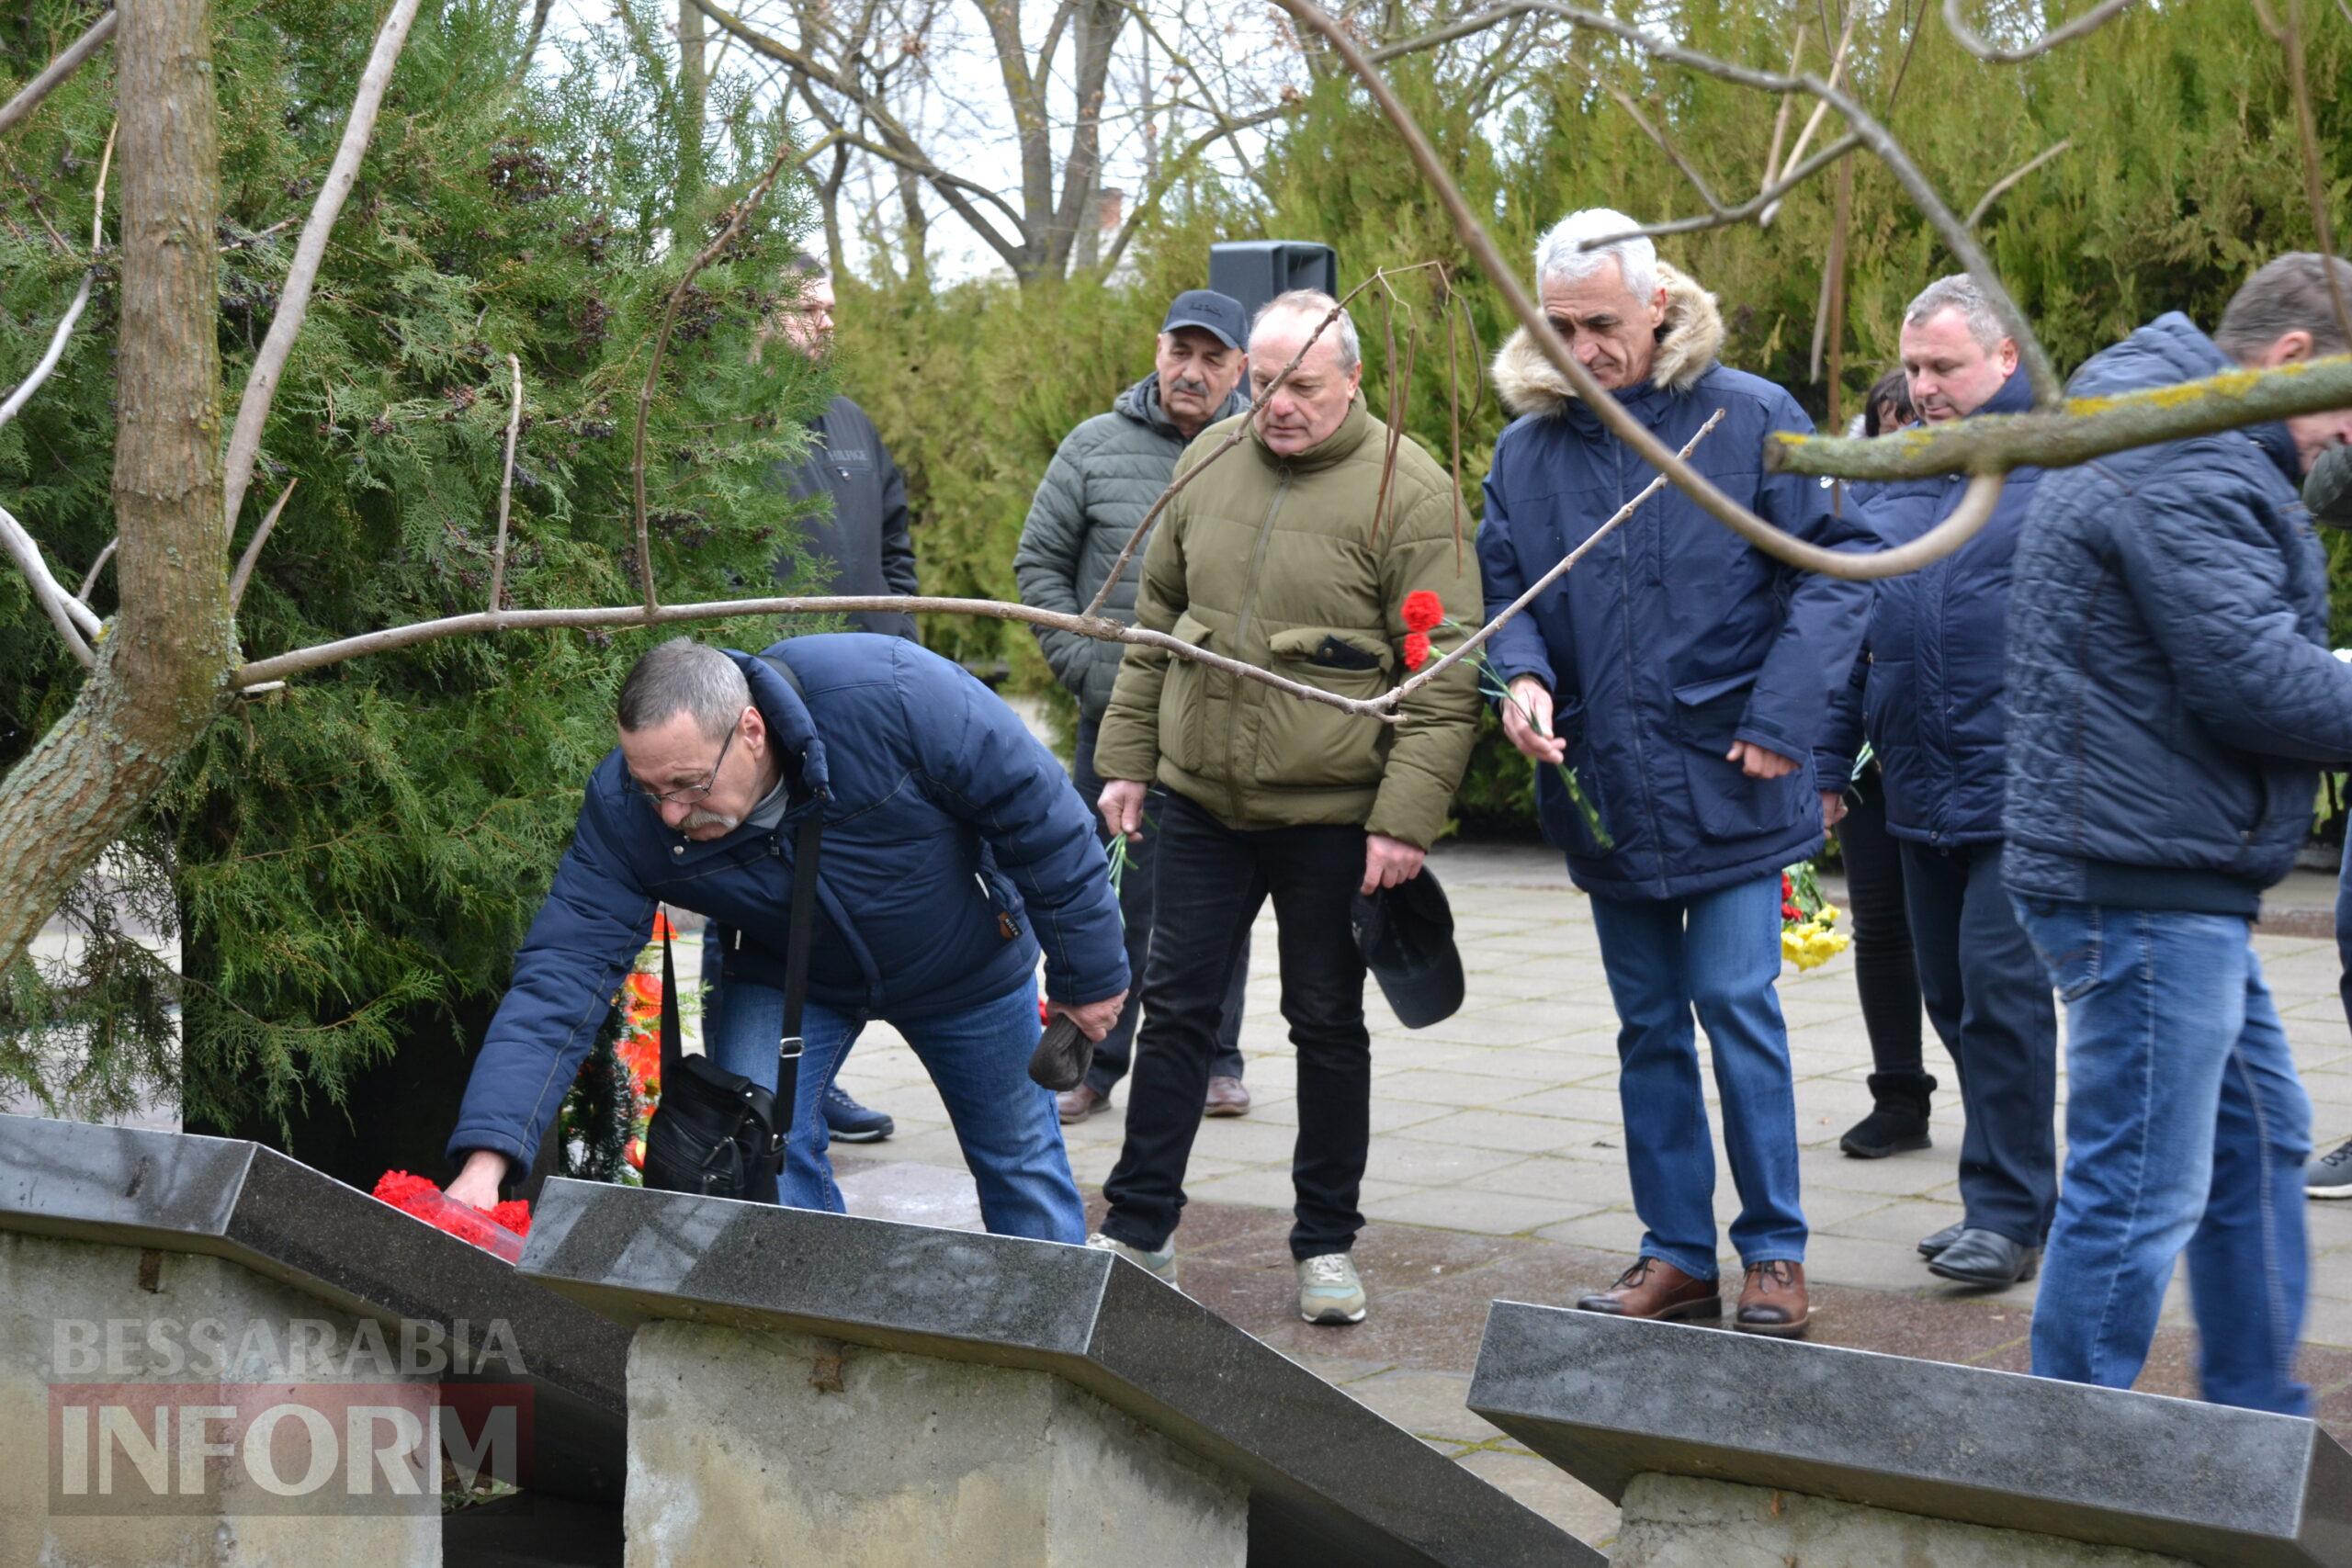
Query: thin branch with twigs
x=68, y=614
x=1724, y=217
x=67, y=62
x=2007, y=182
x=1976, y=508
x=1566, y=563
x=246, y=563
x=2291, y=35
x=90, y=578
x=303, y=274
x=506, y=488
x=1978, y=45
x=48, y=362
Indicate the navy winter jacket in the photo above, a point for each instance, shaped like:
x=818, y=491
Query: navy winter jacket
x=2171, y=694
x=954, y=848
x=1674, y=637
x=1937, y=645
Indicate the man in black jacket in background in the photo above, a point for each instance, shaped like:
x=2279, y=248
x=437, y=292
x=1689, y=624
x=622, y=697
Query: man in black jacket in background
x=864, y=535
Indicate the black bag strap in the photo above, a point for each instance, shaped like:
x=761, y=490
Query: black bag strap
x=795, y=951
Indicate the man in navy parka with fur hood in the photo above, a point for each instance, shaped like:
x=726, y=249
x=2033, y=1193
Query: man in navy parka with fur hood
x=953, y=851
x=1685, y=675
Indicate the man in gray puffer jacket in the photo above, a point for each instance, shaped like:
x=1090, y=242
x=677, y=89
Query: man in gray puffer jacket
x=1103, y=479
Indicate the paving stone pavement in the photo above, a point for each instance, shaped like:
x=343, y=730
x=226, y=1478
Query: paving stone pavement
x=1497, y=1170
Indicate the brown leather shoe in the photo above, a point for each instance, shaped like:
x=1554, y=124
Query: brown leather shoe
x=1653, y=1288
x=1225, y=1097
x=1773, y=1301
x=1078, y=1104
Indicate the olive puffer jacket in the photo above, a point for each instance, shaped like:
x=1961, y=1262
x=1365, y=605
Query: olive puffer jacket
x=1102, y=479
x=1276, y=562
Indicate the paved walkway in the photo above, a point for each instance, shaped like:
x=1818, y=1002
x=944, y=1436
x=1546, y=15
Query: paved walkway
x=1497, y=1171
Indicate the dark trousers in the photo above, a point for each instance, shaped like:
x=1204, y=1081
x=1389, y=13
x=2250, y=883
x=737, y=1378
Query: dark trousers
x=1137, y=889
x=1988, y=997
x=1883, y=972
x=1213, y=881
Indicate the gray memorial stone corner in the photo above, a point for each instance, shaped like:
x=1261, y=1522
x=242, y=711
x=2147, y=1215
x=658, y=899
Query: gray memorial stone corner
x=1327, y=1481
x=1610, y=1400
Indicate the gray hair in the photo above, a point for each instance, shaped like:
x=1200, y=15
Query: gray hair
x=1315, y=303
x=1958, y=292
x=1560, y=255
x=2290, y=295
x=683, y=676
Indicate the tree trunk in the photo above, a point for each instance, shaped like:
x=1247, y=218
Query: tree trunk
x=164, y=665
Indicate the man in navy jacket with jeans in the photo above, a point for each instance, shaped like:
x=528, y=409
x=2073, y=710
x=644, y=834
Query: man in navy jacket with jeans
x=954, y=851
x=1933, y=708
x=2171, y=700
x=1684, y=675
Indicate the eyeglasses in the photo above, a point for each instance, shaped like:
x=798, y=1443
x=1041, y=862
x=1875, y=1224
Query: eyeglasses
x=687, y=792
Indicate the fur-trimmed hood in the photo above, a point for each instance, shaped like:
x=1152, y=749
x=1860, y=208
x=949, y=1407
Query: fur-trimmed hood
x=1687, y=343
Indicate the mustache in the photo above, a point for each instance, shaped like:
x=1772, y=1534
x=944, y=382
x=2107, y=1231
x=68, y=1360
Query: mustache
x=1192, y=385
x=711, y=819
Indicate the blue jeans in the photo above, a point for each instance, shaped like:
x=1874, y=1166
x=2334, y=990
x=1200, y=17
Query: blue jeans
x=1718, y=954
x=2186, y=1129
x=979, y=1060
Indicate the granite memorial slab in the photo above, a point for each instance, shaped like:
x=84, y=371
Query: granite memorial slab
x=1608, y=1400
x=1327, y=1479
x=251, y=1206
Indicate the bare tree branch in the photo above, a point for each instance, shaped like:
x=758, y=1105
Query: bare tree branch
x=506, y=488
x=294, y=300
x=245, y=563
x=1729, y=215
x=1812, y=121
x=1566, y=563
x=279, y=667
x=785, y=154
x=2044, y=376
x=1975, y=506
x=41, y=371
x=90, y=578
x=1978, y=45
x=67, y=614
x=2085, y=428
x=56, y=70
x=2001, y=186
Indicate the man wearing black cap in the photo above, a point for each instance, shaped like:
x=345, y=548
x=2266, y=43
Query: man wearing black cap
x=1103, y=480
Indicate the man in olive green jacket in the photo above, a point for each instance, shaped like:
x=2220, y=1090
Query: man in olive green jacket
x=1283, y=554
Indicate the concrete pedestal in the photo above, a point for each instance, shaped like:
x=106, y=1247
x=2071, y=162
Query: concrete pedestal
x=109, y=1323
x=762, y=1448
x=1675, y=1521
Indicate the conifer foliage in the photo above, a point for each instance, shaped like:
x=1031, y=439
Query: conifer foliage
x=350, y=860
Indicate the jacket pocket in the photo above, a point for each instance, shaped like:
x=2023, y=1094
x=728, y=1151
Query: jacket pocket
x=1305, y=744
x=1185, y=693
x=1554, y=803
x=1727, y=803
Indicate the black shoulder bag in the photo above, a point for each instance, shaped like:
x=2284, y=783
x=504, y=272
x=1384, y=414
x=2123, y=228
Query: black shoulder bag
x=717, y=1133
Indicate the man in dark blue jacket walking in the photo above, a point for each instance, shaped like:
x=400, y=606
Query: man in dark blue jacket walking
x=1932, y=708
x=954, y=849
x=2171, y=699
x=1684, y=676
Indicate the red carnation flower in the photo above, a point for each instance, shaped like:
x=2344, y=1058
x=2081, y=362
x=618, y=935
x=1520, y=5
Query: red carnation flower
x=1417, y=648
x=1423, y=612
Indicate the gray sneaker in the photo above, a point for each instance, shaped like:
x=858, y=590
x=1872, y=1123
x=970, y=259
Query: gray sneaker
x=1160, y=1265
x=1330, y=1289
x=2330, y=1175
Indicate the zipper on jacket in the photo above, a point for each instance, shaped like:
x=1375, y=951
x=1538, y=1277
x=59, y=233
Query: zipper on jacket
x=1248, y=608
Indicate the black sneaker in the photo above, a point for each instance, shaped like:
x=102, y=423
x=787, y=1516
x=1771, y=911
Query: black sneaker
x=850, y=1123
x=2330, y=1175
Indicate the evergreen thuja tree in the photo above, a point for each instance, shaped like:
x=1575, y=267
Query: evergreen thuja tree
x=351, y=862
